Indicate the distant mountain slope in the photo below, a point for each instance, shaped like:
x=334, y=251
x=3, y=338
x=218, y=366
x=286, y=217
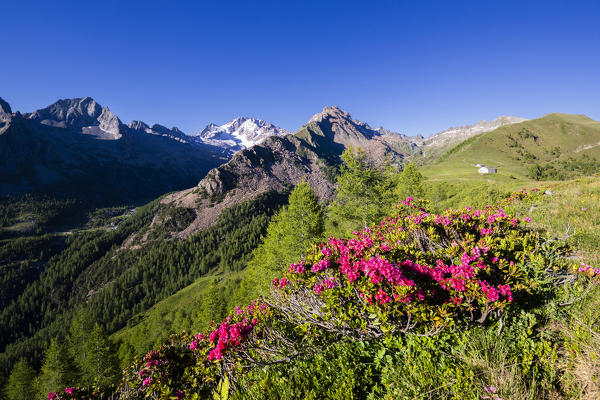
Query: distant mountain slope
x=77, y=148
x=435, y=145
x=239, y=134
x=313, y=153
x=515, y=148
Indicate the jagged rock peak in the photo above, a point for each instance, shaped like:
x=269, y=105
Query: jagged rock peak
x=209, y=128
x=331, y=112
x=4, y=107
x=138, y=125
x=82, y=114
x=109, y=122
x=76, y=111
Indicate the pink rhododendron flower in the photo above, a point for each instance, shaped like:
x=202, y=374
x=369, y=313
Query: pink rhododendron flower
x=147, y=381
x=326, y=251
x=297, y=268
x=320, y=266
x=330, y=283
x=506, y=291
x=283, y=282
x=318, y=288
x=382, y=296
x=70, y=390
x=51, y=395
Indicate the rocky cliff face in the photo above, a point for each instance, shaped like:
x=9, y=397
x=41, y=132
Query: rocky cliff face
x=5, y=110
x=337, y=127
x=158, y=130
x=83, y=115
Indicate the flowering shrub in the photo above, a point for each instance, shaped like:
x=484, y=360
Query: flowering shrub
x=414, y=273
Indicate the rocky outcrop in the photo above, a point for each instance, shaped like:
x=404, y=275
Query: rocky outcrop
x=73, y=113
x=83, y=115
x=110, y=123
x=338, y=127
x=160, y=130
x=5, y=110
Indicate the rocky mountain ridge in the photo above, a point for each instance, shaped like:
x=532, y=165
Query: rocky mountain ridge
x=279, y=162
x=79, y=149
x=83, y=114
x=247, y=156
x=454, y=135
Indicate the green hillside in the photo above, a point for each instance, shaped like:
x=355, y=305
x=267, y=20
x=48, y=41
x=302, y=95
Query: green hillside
x=514, y=149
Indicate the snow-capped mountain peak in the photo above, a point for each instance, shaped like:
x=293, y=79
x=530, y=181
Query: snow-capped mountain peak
x=240, y=133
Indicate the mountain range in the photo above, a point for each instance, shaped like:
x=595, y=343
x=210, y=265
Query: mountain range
x=78, y=148
x=312, y=153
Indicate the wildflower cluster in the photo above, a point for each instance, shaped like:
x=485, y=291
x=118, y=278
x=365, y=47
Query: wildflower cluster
x=73, y=393
x=588, y=270
x=194, y=363
x=415, y=272
x=230, y=334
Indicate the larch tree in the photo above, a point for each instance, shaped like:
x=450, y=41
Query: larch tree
x=100, y=367
x=364, y=193
x=20, y=382
x=58, y=369
x=410, y=183
x=289, y=235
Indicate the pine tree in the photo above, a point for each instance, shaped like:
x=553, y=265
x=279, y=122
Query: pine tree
x=410, y=183
x=294, y=228
x=20, y=382
x=58, y=370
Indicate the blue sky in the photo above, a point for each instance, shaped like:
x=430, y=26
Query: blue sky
x=413, y=67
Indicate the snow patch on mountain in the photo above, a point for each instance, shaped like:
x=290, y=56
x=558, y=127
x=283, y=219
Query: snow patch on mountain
x=241, y=133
